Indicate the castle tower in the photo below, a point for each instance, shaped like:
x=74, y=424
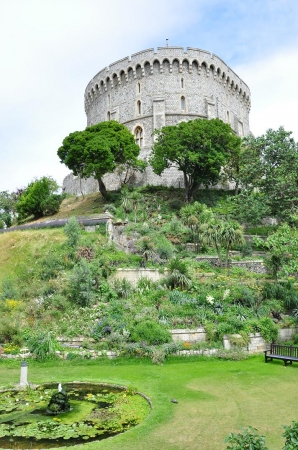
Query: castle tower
x=152, y=89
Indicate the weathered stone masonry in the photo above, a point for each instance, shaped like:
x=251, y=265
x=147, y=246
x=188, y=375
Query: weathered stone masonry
x=151, y=89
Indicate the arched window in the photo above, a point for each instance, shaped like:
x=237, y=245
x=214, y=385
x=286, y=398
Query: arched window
x=228, y=117
x=139, y=136
x=139, y=107
x=139, y=88
x=183, y=103
x=108, y=115
x=182, y=83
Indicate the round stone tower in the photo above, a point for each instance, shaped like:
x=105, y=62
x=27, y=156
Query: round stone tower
x=152, y=89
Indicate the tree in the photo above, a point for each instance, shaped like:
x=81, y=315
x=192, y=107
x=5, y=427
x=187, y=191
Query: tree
x=39, y=199
x=223, y=235
x=250, y=207
x=193, y=216
x=199, y=148
x=98, y=150
x=270, y=164
x=7, y=209
x=282, y=247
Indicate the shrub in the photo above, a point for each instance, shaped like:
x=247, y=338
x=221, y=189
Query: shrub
x=137, y=349
x=281, y=291
x=247, y=440
x=73, y=232
x=57, y=302
x=265, y=326
x=123, y=288
x=291, y=435
x=178, y=274
x=180, y=298
x=51, y=204
x=158, y=356
x=50, y=266
x=8, y=290
x=81, y=284
x=10, y=330
x=235, y=354
x=150, y=332
x=164, y=248
x=244, y=295
x=110, y=208
x=175, y=204
x=246, y=249
x=43, y=345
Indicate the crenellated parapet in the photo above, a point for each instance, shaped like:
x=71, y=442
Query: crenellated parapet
x=173, y=60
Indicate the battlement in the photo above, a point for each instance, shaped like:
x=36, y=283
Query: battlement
x=192, y=57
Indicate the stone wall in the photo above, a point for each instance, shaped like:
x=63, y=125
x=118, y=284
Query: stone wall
x=134, y=275
x=256, y=266
x=187, y=335
x=256, y=343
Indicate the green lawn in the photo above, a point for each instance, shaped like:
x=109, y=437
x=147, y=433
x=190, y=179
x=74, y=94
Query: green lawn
x=215, y=397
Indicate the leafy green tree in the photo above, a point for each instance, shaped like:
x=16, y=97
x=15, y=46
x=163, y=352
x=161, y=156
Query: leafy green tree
x=250, y=207
x=282, y=247
x=39, y=199
x=7, y=208
x=98, y=150
x=232, y=169
x=270, y=164
x=199, y=148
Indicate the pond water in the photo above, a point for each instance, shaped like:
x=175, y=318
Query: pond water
x=97, y=412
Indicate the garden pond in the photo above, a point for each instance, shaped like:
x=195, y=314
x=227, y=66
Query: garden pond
x=97, y=411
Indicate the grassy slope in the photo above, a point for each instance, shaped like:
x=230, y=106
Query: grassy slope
x=19, y=249
x=215, y=397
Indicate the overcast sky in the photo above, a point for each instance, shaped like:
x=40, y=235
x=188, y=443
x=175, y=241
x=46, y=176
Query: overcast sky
x=50, y=49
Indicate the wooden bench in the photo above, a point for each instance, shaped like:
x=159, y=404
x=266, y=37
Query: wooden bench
x=287, y=353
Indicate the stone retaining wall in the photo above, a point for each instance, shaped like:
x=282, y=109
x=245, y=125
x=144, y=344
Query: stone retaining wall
x=134, y=275
x=256, y=266
x=187, y=335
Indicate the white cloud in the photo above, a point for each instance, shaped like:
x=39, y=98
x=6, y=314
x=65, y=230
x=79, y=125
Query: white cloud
x=274, y=91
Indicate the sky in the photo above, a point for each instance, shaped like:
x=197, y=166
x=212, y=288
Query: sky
x=50, y=50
